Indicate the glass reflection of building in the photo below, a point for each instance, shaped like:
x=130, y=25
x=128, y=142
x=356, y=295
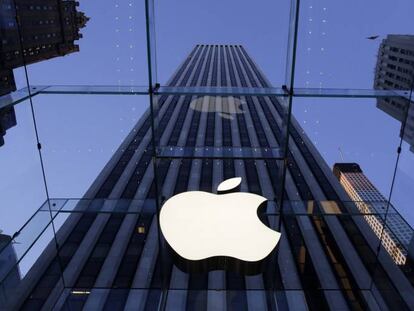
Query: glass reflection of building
x=395, y=70
x=46, y=29
x=396, y=236
x=327, y=258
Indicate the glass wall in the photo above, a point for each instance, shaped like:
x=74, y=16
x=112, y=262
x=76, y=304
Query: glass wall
x=339, y=90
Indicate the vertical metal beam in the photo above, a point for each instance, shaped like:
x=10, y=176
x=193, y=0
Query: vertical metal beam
x=39, y=146
x=152, y=85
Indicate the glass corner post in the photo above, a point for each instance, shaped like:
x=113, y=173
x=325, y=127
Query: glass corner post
x=287, y=100
x=396, y=231
x=153, y=86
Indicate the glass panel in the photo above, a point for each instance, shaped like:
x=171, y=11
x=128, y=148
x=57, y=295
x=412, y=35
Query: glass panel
x=18, y=96
x=397, y=239
x=402, y=195
x=367, y=93
x=222, y=90
x=354, y=139
x=398, y=236
x=394, y=259
x=69, y=206
x=23, y=239
x=22, y=94
x=348, y=44
x=323, y=256
x=218, y=153
x=335, y=251
x=268, y=49
x=19, y=166
x=177, y=176
x=80, y=136
x=112, y=299
x=327, y=170
x=95, y=90
x=219, y=127
x=36, y=240
x=101, y=44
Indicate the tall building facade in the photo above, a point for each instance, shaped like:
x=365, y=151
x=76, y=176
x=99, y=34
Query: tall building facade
x=395, y=70
x=113, y=257
x=42, y=30
x=397, y=234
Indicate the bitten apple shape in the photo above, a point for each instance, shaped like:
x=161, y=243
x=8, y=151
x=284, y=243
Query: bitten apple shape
x=221, y=229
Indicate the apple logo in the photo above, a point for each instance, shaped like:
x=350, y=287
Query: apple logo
x=206, y=231
x=234, y=107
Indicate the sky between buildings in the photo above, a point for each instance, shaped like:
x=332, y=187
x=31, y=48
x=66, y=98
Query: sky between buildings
x=79, y=133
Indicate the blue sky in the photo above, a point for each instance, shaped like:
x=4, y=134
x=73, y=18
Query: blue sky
x=80, y=133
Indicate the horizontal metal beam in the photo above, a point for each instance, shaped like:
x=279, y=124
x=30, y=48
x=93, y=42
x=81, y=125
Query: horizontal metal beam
x=23, y=94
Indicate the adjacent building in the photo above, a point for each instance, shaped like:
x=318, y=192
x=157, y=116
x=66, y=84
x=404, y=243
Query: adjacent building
x=9, y=270
x=43, y=29
x=396, y=235
x=395, y=70
x=111, y=256
x=7, y=121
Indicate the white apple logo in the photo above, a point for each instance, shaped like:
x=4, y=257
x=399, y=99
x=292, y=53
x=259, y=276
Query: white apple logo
x=209, y=231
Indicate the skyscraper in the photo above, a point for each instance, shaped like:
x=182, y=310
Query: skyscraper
x=396, y=233
x=395, y=70
x=45, y=29
x=113, y=257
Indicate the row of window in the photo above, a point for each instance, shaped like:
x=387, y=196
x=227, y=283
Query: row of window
x=402, y=51
x=400, y=60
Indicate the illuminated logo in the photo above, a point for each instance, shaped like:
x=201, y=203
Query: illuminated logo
x=208, y=231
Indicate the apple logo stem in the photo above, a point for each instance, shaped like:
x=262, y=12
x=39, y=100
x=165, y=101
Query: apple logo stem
x=206, y=231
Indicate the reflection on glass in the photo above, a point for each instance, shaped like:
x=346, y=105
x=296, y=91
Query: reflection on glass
x=80, y=134
x=227, y=110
